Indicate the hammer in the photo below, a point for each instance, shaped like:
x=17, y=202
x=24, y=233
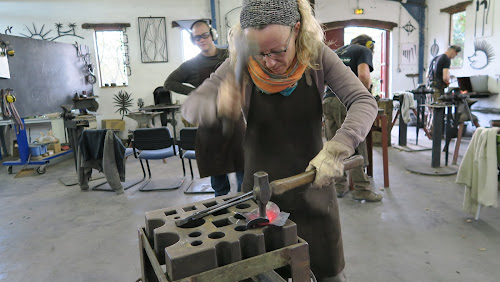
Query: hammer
x=246, y=47
x=263, y=190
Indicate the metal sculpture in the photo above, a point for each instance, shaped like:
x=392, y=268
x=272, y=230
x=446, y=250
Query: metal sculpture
x=37, y=34
x=153, y=39
x=434, y=49
x=483, y=55
x=409, y=28
x=69, y=32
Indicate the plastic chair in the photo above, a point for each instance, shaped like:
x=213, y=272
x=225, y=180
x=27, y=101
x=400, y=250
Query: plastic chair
x=154, y=144
x=187, y=143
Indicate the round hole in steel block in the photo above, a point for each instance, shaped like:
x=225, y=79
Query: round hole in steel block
x=196, y=243
x=239, y=216
x=240, y=228
x=216, y=235
x=195, y=234
x=243, y=206
x=193, y=223
x=167, y=239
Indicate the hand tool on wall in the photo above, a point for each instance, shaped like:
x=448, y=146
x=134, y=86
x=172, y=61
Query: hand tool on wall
x=263, y=190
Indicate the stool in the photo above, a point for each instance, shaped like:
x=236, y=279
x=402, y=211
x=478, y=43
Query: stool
x=380, y=125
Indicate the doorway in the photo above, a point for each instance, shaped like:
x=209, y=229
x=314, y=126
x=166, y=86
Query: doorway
x=378, y=35
x=340, y=33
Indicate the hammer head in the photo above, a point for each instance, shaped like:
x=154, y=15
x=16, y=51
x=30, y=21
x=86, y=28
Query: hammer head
x=261, y=188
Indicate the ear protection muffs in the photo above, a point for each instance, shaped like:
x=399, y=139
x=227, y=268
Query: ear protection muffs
x=369, y=44
x=213, y=32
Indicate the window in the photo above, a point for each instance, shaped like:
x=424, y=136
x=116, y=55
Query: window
x=189, y=50
x=112, y=57
x=457, y=36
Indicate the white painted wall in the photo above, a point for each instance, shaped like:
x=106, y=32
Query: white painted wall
x=438, y=28
x=145, y=77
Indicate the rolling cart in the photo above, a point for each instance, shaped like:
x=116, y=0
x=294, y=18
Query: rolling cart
x=24, y=154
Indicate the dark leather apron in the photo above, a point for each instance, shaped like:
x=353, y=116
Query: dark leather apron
x=283, y=134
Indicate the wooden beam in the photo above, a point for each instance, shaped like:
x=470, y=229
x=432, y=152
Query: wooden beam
x=460, y=7
x=360, y=23
x=109, y=26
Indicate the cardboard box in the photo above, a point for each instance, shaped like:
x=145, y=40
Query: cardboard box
x=56, y=147
x=113, y=124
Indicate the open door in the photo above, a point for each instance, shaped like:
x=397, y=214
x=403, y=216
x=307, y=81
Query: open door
x=334, y=38
x=384, y=64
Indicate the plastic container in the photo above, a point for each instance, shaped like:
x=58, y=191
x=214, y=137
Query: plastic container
x=479, y=83
x=37, y=149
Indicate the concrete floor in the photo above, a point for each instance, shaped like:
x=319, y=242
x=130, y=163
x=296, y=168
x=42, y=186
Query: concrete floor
x=51, y=232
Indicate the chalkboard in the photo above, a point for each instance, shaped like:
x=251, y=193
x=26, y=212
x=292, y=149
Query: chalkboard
x=44, y=75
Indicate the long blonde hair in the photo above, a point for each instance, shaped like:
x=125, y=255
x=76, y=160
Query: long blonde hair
x=309, y=40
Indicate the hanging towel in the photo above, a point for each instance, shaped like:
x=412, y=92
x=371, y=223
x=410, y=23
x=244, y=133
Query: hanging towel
x=478, y=170
x=406, y=106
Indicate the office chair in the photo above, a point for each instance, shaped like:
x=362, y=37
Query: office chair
x=187, y=151
x=154, y=144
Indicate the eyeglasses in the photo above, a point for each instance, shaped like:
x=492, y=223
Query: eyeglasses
x=199, y=37
x=275, y=54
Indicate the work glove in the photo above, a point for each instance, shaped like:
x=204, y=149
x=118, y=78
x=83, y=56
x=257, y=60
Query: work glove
x=329, y=163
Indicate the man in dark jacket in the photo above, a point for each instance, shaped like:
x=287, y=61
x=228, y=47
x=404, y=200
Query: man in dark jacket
x=216, y=154
x=358, y=57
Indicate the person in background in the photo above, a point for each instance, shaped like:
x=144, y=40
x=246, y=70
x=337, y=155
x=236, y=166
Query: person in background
x=439, y=70
x=281, y=100
x=358, y=57
x=216, y=154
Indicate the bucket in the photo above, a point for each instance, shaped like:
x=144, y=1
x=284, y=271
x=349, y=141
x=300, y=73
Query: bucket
x=37, y=149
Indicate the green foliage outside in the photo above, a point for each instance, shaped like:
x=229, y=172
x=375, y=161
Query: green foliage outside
x=458, y=36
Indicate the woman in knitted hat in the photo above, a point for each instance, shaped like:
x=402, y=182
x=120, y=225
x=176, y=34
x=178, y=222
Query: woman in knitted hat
x=281, y=101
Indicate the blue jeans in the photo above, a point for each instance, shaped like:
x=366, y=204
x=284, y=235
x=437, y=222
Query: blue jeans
x=220, y=183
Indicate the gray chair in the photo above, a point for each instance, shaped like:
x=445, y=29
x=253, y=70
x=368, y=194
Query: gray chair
x=154, y=144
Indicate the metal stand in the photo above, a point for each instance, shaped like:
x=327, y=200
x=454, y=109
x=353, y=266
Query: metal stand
x=262, y=266
x=437, y=133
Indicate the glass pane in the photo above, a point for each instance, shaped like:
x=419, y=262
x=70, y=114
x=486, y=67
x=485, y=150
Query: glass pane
x=458, y=36
x=111, y=57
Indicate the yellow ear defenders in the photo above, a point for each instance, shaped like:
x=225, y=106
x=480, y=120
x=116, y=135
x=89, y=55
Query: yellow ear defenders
x=213, y=32
x=10, y=98
x=370, y=44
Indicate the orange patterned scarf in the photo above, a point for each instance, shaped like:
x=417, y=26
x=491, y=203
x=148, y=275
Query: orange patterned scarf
x=273, y=83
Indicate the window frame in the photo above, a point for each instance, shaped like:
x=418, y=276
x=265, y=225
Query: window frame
x=450, y=35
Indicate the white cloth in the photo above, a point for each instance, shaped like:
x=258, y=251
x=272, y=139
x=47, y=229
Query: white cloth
x=478, y=170
x=408, y=103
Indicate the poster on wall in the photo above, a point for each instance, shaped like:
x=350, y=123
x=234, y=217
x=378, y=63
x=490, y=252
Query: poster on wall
x=483, y=22
x=153, y=39
x=4, y=67
x=408, y=54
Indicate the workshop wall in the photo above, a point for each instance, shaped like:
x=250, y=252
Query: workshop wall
x=438, y=29
x=22, y=15
x=382, y=10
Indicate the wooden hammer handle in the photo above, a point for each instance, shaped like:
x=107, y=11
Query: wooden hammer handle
x=281, y=186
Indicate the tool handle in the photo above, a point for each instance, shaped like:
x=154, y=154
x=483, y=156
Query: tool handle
x=286, y=184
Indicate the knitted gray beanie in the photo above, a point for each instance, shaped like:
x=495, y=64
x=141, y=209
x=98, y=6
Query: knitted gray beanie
x=266, y=12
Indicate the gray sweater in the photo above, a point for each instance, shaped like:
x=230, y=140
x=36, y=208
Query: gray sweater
x=201, y=105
